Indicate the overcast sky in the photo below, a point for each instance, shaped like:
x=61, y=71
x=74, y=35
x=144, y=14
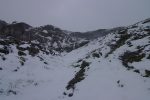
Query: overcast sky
x=75, y=15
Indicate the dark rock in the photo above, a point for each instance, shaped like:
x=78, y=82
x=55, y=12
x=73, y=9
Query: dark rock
x=147, y=73
x=13, y=92
x=20, y=53
x=15, y=70
x=45, y=63
x=1, y=68
x=5, y=51
x=148, y=56
x=64, y=93
x=130, y=57
x=70, y=95
x=96, y=55
x=137, y=71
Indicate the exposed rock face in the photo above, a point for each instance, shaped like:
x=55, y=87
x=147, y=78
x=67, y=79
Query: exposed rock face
x=2, y=24
x=16, y=30
x=48, y=39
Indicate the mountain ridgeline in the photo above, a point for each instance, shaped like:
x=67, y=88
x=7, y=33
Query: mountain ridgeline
x=48, y=39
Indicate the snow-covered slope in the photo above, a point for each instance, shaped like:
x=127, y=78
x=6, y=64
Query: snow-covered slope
x=112, y=67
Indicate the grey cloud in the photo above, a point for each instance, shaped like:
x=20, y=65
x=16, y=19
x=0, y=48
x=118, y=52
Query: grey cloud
x=75, y=15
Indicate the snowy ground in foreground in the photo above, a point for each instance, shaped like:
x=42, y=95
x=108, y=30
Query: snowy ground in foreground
x=105, y=80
